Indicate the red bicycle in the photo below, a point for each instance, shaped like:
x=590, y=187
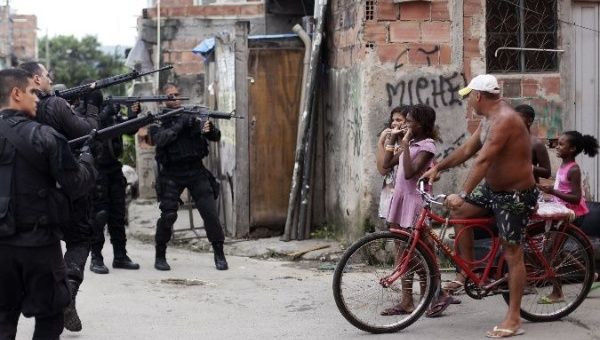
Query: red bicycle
x=371, y=276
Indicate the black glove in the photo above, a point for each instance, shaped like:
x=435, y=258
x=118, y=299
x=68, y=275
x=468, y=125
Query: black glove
x=88, y=145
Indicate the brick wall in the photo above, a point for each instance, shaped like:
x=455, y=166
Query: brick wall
x=345, y=46
x=412, y=27
x=24, y=39
x=243, y=10
x=24, y=36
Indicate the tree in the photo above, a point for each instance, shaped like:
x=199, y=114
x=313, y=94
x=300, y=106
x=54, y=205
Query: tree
x=73, y=61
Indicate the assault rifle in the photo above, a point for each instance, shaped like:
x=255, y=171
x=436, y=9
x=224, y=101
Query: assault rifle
x=80, y=90
x=129, y=101
x=202, y=113
x=122, y=128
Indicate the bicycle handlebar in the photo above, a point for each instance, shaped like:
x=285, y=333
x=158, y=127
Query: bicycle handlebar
x=427, y=197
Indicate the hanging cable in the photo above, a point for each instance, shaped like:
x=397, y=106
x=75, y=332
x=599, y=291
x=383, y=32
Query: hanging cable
x=558, y=19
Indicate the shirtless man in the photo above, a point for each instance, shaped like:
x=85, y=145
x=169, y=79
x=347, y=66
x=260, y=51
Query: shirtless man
x=503, y=149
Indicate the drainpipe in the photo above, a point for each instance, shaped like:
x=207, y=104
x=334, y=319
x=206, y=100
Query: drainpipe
x=291, y=229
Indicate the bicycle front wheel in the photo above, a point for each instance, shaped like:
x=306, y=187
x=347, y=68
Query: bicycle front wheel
x=367, y=303
x=552, y=297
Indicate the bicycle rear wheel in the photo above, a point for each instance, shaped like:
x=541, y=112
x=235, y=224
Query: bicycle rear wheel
x=567, y=254
x=359, y=293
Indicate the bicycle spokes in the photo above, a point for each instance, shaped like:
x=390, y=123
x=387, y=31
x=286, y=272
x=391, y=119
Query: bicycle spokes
x=380, y=285
x=558, y=275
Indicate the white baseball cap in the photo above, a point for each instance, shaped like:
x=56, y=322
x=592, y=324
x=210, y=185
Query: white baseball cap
x=483, y=82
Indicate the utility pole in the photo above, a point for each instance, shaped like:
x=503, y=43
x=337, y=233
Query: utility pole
x=47, y=54
x=8, y=48
x=157, y=62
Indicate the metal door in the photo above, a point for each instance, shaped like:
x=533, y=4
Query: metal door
x=587, y=99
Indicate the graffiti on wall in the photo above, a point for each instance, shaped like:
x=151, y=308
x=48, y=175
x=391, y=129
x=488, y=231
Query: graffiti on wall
x=548, y=116
x=435, y=91
x=450, y=148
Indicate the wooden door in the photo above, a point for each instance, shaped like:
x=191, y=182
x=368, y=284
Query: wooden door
x=274, y=98
x=587, y=96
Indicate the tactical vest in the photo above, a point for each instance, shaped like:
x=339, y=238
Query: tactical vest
x=34, y=194
x=107, y=152
x=7, y=213
x=190, y=146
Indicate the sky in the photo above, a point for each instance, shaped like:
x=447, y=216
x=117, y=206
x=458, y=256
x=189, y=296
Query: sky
x=113, y=22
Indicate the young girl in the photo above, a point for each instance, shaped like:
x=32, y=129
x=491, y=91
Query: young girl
x=396, y=121
x=567, y=187
x=417, y=155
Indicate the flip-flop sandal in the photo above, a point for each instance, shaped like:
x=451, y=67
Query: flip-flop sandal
x=546, y=300
x=595, y=286
x=436, y=309
x=396, y=310
x=454, y=286
x=454, y=301
x=507, y=333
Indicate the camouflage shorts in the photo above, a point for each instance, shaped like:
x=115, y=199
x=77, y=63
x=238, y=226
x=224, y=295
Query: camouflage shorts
x=511, y=209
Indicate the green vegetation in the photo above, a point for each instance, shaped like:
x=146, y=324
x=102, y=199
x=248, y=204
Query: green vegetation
x=325, y=231
x=73, y=61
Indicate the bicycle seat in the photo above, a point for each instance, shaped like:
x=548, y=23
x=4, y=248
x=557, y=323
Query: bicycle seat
x=552, y=211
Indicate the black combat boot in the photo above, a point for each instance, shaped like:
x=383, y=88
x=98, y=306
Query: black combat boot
x=97, y=264
x=160, y=262
x=72, y=321
x=121, y=260
x=220, y=261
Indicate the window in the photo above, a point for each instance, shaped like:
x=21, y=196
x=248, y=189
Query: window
x=524, y=24
x=370, y=6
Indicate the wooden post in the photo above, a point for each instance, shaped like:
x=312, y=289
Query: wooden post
x=291, y=223
x=241, y=178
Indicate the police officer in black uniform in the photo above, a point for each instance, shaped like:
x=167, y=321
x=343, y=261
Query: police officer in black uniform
x=181, y=144
x=38, y=176
x=57, y=113
x=109, y=196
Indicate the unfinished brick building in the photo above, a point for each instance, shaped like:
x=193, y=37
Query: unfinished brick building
x=382, y=53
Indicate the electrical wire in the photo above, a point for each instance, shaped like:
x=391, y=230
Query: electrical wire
x=560, y=20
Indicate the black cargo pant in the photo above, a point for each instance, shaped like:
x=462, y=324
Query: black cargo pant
x=33, y=282
x=203, y=189
x=109, y=209
x=77, y=236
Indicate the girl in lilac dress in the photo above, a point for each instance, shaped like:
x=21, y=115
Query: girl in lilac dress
x=418, y=152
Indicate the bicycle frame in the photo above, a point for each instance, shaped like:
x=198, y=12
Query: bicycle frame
x=421, y=228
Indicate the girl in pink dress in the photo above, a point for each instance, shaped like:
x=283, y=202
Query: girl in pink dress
x=568, y=186
x=418, y=152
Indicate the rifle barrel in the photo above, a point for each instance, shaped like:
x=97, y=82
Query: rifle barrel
x=105, y=82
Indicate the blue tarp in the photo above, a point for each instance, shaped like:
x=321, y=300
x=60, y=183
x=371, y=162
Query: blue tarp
x=205, y=48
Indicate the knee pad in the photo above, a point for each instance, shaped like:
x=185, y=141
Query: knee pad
x=101, y=218
x=168, y=219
